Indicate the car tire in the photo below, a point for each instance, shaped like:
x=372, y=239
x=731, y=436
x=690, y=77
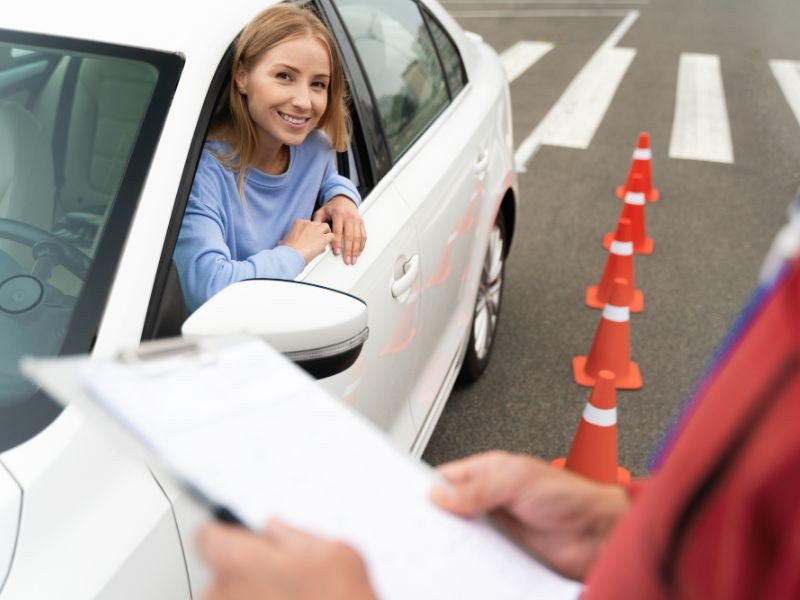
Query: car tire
x=486, y=313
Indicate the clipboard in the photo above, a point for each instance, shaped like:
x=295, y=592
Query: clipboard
x=62, y=379
x=249, y=436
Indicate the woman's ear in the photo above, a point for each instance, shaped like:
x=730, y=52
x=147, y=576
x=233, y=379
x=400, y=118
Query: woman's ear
x=240, y=79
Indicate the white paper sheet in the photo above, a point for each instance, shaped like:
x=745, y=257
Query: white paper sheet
x=257, y=435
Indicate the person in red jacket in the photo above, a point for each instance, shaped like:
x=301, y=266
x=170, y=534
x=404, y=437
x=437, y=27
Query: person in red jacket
x=718, y=518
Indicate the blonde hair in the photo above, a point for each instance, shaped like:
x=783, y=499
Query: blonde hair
x=232, y=122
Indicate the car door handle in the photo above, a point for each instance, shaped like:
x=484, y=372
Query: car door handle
x=482, y=161
x=410, y=271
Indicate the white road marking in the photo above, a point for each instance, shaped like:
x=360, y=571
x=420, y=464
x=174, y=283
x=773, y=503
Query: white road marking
x=521, y=56
x=573, y=120
x=700, y=128
x=512, y=3
x=787, y=72
x=538, y=14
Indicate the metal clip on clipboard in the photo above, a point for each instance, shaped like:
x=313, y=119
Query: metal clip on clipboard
x=177, y=347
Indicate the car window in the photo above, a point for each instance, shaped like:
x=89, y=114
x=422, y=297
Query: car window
x=401, y=63
x=76, y=119
x=451, y=59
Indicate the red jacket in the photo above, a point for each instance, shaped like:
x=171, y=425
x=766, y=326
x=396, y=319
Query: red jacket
x=721, y=517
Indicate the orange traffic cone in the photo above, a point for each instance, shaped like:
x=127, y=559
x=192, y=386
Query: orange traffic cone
x=611, y=345
x=641, y=164
x=618, y=264
x=633, y=209
x=593, y=453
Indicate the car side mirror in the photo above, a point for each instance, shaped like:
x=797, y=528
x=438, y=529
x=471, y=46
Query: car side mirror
x=322, y=330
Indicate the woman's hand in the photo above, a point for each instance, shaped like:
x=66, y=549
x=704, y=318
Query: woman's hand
x=308, y=238
x=282, y=563
x=562, y=518
x=350, y=236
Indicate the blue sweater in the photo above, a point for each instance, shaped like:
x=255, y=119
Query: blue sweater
x=221, y=243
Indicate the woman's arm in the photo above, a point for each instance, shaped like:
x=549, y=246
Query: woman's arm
x=202, y=254
x=340, y=200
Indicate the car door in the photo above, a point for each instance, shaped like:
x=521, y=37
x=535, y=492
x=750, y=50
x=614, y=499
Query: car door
x=386, y=276
x=438, y=135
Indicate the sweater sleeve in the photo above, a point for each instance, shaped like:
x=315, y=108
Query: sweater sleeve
x=203, y=257
x=334, y=184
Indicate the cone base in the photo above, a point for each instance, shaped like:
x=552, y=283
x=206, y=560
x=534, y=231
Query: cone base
x=652, y=196
x=592, y=301
x=644, y=248
x=623, y=475
x=631, y=381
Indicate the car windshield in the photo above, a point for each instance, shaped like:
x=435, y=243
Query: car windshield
x=78, y=125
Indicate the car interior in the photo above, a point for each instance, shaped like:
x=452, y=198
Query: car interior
x=68, y=124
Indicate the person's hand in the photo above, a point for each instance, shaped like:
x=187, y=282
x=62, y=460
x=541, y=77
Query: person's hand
x=350, y=236
x=308, y=238
x=562, y=518
x=281, y=563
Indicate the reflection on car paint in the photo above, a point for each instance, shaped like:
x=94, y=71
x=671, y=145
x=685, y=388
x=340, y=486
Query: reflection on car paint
x=405, y=331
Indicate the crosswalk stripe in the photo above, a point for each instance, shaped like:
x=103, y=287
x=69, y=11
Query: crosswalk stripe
x=517, y=3
x=573, y=120
x=577, y=115
x=521, y=56
x=700, y=128
x=535, y=13
x=787, y=72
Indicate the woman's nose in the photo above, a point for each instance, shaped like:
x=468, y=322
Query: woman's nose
x=302, y=99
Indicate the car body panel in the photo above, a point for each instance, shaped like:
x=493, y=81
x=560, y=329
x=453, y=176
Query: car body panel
x=393, y=344
x=75, y=485
x=10, y=509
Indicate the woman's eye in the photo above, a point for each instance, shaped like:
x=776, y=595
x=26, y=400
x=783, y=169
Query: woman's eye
x=283, y=75
x=320, y=84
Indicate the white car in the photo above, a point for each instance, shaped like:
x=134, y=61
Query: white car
x=103, y=112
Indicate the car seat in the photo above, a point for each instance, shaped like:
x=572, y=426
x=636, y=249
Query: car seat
x=26, y=175
x=26, y=168
x=107, y=110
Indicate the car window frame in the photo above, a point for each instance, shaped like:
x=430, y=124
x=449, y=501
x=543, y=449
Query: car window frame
x=35, y=414
x=429, y=18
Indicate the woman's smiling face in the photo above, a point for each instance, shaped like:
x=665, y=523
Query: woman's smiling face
x=287, y=91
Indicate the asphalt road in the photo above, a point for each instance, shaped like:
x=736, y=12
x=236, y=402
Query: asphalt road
x=711, y=229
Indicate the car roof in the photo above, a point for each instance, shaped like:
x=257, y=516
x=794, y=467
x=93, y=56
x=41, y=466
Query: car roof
x=167, y=25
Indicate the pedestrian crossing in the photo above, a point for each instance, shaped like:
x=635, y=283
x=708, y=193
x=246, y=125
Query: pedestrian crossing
x=700, y=124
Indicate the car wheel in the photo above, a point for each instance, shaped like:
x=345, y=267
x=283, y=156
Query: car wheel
x=487, y=305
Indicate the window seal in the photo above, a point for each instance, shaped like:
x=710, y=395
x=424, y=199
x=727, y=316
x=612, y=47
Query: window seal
x=425, y=16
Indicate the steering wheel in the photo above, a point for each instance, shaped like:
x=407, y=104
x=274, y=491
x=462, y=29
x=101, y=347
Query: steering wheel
x=22, y=292
x=63, y=253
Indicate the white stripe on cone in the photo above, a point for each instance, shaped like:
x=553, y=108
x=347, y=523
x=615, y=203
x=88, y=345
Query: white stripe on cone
x=621, y=248
x=642, y=154
x=602, y=417
x=618, y=314
x=636, y=198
